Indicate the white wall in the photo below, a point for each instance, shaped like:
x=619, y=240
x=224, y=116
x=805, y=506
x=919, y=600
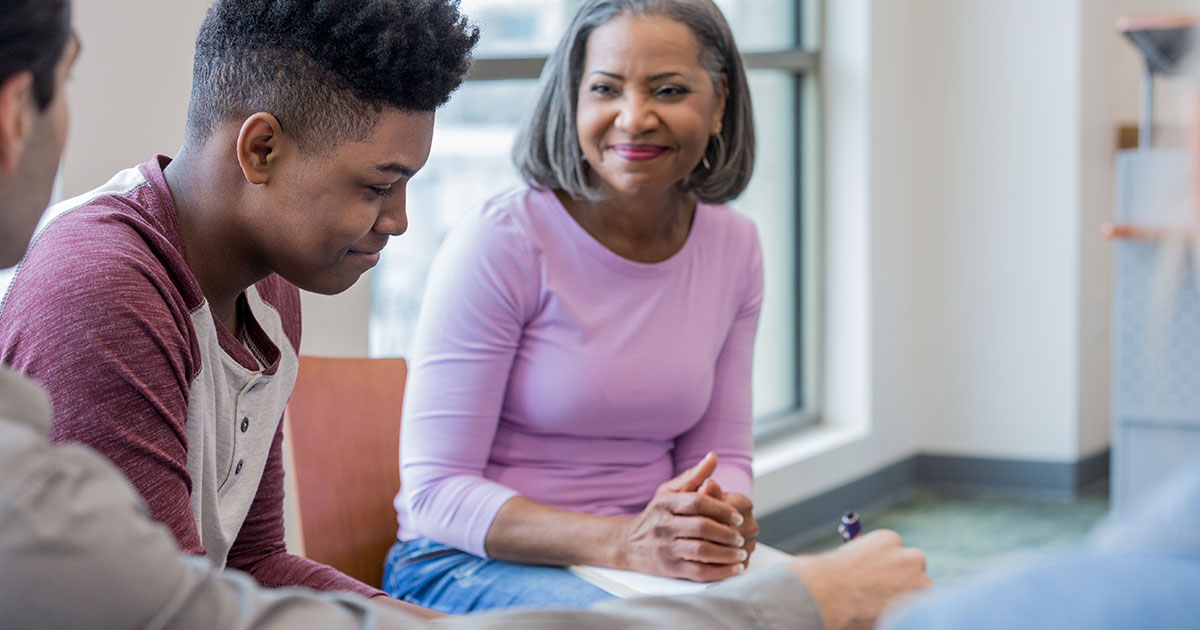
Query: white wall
x=969, y=150
x=1021, y=299
x=996, y=204
x=129, y=92
x=336, y=325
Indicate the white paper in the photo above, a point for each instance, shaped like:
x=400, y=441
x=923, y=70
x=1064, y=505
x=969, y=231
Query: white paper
x=626, y=584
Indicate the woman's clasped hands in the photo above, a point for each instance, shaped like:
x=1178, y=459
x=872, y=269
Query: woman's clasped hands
x=691, y=529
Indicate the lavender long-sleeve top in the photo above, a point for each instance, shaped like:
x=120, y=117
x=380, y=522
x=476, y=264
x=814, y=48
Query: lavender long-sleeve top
x=546, y=365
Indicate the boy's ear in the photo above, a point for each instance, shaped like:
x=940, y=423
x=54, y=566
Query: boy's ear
x=258, y=145
x=17, y=111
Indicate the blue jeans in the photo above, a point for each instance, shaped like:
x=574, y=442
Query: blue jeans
x=432, y=575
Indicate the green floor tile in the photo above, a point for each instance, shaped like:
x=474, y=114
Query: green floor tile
x=965, y=535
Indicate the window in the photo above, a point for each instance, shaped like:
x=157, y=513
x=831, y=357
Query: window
x=470, y=163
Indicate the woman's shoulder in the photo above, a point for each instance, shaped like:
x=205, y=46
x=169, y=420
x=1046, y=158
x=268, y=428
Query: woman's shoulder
x=725, y=224
x=517, y=217
x=733, y=237
x=519, y=206
x=509, y=224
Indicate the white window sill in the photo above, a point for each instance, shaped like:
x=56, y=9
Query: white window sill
x=789, y=469
x=787, y=450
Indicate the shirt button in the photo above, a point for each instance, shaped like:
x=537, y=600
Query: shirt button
x=245, y=424
x=238, y=471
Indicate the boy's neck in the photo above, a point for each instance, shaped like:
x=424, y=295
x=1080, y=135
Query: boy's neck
x=206, y=188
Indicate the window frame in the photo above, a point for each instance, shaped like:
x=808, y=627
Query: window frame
x=803, y=61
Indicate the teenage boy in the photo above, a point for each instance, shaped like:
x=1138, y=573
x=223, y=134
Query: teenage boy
x=76, y=550
x=161, y=311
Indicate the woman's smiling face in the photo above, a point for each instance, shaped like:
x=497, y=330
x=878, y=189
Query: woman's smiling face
x=646, y=105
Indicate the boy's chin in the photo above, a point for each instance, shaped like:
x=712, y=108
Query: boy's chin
x=327, y=285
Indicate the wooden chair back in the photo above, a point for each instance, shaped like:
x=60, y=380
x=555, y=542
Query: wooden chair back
x=344, y=417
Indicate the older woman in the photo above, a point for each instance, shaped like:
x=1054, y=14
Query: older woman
x=580, y=386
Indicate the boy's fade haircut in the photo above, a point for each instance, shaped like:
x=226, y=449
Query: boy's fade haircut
x=326, y=68
x=33, y=37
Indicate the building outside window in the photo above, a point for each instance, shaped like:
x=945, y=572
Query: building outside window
x=470, y=162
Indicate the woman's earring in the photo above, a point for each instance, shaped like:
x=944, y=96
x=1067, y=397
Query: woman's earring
x=704, y=158
x=720, y=150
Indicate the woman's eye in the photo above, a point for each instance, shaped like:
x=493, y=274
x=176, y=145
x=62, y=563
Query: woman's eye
x=671, y=91
x=382, y=192
x=602, y=90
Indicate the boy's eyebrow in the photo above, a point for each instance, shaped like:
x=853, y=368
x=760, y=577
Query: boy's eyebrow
x=396, y=168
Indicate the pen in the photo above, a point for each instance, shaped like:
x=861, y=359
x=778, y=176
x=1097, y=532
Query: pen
x=850, y=527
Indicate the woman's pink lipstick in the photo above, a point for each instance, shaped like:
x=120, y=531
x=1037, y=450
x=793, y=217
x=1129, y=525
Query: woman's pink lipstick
x=638, y=152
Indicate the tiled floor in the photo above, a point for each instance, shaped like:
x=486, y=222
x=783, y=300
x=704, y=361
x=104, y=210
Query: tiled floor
x=965, y=535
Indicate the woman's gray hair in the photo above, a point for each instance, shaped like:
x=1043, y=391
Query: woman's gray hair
x=547, y=149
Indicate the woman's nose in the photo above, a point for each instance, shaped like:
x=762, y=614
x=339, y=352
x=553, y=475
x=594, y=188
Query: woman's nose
x=637, y=115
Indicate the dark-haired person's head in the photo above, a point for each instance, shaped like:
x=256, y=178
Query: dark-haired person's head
x=329, y=107
x=37, y=49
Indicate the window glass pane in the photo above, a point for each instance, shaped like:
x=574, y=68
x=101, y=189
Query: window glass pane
x=468, y=164
x=760, y=25
x=533, y=27
x=519, y=28
x=771, y=202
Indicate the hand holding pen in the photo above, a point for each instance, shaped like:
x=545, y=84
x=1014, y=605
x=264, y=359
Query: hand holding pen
x=855, y=582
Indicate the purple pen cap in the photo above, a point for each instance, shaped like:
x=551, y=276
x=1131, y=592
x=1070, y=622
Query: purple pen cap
x=850, y=527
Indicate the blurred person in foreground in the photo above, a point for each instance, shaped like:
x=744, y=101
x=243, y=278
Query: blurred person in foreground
x=1140, y=569
x=76, y=546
